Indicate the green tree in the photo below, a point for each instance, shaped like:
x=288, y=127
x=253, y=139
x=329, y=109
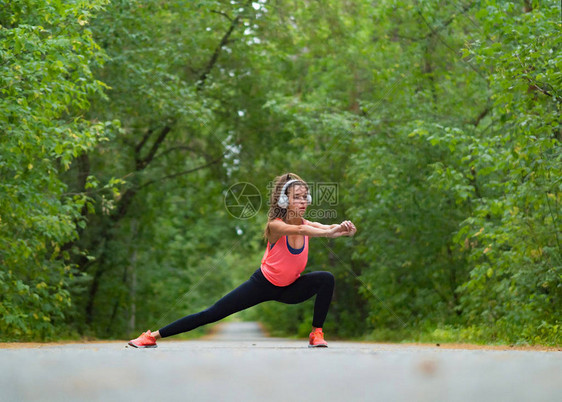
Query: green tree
x=47, y=55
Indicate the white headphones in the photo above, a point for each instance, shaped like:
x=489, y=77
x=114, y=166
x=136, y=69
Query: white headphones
x=284, y=199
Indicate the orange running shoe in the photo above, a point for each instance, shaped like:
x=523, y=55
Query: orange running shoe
x=316, y=339
x=146, y=340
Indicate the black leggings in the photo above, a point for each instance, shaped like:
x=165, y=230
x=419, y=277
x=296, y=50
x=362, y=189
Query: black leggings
x=258, y=289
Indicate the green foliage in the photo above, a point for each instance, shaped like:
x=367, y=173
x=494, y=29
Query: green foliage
x=167, y=229
x=440, y=124
x=451, y=164
x=46, y=82
x=488, y=190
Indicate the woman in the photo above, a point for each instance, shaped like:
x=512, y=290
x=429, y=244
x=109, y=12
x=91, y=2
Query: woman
x=279, y=276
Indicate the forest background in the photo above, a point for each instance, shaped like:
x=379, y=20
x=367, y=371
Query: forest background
x=127, y=127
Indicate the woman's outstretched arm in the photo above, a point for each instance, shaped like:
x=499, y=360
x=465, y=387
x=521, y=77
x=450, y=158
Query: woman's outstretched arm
x=346, y=224
x=279, y=229
x=321, y=225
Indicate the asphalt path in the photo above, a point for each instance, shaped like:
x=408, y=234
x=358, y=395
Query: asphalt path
x=238, y=363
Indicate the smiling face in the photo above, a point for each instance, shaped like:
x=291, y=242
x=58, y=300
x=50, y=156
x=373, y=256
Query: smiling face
x=297, y=201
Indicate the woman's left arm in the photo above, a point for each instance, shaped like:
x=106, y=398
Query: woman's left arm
x=320, y=225
x=347, y=224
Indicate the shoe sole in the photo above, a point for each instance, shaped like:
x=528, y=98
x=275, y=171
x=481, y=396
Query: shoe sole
x=317, y=346
x=142, y=347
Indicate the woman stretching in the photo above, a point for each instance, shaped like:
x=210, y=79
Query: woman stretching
x=279, y=276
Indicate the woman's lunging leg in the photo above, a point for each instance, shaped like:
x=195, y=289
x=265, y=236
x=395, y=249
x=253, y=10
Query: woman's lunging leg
x=323, y=300
x=244, y=296
x=318, y=283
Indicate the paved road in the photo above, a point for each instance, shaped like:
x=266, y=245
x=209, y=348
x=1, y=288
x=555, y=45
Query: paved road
x=240, y=364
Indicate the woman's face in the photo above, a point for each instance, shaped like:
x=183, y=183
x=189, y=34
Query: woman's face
x=297, y=200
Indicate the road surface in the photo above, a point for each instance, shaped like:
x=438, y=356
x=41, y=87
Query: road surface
x=239, y=363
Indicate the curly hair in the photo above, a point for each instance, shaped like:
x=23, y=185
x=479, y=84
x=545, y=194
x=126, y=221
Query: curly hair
x=275, y=211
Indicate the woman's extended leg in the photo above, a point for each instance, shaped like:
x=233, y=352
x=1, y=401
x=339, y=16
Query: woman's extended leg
x=248, y=294
x=318, y=283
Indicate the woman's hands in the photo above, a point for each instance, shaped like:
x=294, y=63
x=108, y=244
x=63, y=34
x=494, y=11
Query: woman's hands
x=278, y=228
x=346, y=228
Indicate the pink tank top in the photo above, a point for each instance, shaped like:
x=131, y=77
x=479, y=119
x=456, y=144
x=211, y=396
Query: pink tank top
x=282, y=264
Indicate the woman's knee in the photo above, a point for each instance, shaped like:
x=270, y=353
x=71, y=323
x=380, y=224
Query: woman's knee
x=327, y=278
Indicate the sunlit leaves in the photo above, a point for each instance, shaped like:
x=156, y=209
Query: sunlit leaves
x=46, y=84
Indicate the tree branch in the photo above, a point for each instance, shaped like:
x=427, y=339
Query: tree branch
x=215, y=56
x=434, y=31
x=223, y=14
x=171, y=176
x=145, y=138
x=438, y=36
x=142, y=163
x=482, y=114
x=182, y=148
x=534, y=84
x=216, y=53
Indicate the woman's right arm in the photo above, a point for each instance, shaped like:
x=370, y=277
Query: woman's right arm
x=279, y=229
